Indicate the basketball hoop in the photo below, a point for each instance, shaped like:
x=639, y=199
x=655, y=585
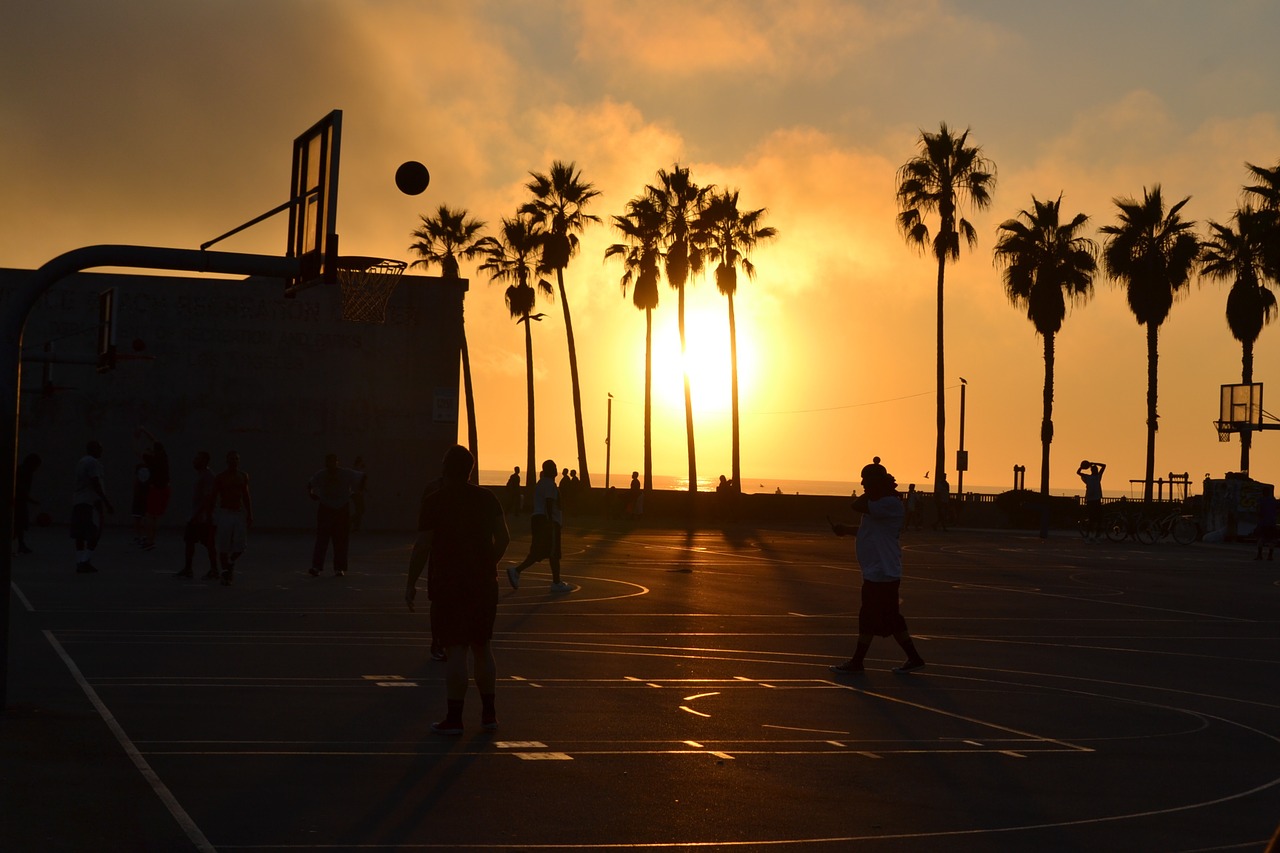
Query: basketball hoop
x=367, y=285
x=1225, y=429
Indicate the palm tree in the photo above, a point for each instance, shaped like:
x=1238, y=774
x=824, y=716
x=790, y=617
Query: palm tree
x=1236, y=253
x=1047, y=264
x=727, y=234
x=946, y=174
x=681, y=201
x=1152, y=253
x=442, y=240
x=560, y=198
x=512, y=257
x=641, y=228
x=1267, y=192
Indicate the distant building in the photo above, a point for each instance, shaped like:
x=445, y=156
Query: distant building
x=236, y=365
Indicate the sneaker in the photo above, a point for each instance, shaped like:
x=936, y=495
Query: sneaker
x=513, y=577
x=314, y=572
x=212, y=575
x=85, y=568
x=337, y=574
x=447, y=728
x=849, y=667
x=185, y=573
x=438, y=653
x=561, y=586
x=148, y=546
x=489, y=722
x=910, y=666
x=226, y=578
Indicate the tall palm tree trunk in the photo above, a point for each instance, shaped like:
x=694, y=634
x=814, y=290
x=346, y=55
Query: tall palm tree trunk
x=1046, y=435
x=733, y=397
x=573, y=378
x=688, y=399
x=940, y=451
x=1153, y=361
x=648, y=399
x=1246, y=376
x=530, y=475
x=473, y=440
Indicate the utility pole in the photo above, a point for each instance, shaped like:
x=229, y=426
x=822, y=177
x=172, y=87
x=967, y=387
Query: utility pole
x=608, y=436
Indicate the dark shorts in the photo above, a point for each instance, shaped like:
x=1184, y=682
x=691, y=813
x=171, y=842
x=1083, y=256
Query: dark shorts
x=198, y=533
x=464, y=622
x=546, y=538
x=879, y=614
x=84, y=527
x=158, y=500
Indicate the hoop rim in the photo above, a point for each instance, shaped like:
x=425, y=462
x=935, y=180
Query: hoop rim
x=362, y=263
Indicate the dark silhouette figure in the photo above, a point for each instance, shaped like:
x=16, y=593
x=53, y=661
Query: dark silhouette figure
x=942, y=494
x=232, y=515
x=332, y=487
x=157, y=491
x=199, y=527
x=880, y=559
x=89, y=502
x=1093, y=497
x=915, y=517
x=462, y=533
x=545, y=525
x=22, y=500
x=357, y=496
x=513, y=492
x=635, y=497
x=1267, y=532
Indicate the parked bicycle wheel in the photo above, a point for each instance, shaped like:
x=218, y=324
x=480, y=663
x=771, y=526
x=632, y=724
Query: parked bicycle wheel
x=1148, y=531
x=1184, y=530
x=1117, y=529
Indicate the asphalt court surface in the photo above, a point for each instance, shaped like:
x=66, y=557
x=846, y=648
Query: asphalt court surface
x=1078, y=697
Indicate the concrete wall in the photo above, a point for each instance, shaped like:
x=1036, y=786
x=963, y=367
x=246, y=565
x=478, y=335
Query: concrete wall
x=235, y=365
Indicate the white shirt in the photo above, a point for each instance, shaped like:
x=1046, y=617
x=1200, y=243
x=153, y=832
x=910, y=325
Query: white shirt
x=879, y=554
x=547, y=493
x=88, y=469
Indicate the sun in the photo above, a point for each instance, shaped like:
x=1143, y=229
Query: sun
x=707, y=358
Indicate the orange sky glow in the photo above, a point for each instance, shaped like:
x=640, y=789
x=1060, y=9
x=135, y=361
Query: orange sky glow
x=161, y=123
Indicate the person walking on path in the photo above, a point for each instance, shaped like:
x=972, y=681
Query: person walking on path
x=462, y=534
x=635, y=497
x=22, y=500
x=1266, y=531
x=913, y=508
x=332, y=487
x=545, y=525
x=1092, y=496
x=232, y=515
x=943, y=492
x=199, y=527
x=88, y=502
x=880, y=559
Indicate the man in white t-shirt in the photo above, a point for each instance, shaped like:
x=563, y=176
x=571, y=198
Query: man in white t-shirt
x=545, y=523
x=332, y=487
x=87, y=503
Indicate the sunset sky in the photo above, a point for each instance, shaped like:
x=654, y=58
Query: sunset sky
x=166, y=123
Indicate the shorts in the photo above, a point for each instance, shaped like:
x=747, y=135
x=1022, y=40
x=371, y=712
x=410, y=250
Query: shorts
x=198, y=533
x=232, y=531
x=158, y=500
x=879, y=614
x=465, y=622
x=546, y=538
x=84, y=526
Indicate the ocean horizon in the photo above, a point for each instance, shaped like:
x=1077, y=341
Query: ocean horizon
x=768, y=485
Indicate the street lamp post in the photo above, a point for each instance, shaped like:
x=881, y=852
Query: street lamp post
x=962, y=457
x=608, y=436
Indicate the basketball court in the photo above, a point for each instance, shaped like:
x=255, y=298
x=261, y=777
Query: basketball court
x=1078, y=696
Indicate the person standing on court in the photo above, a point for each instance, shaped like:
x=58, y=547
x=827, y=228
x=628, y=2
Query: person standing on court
x=232, y=515
x=332, y=487
x=88, y=503
x=199, y=527
x=462, y=532
x=545, y=524
x=357, y=496
x=1093, y=495
x=880, y=559
x=158, y=490
x=513, y=492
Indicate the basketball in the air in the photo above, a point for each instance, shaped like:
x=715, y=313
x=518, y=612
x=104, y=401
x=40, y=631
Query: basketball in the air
x=412, y=178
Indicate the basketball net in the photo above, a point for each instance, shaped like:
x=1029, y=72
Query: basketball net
x=1225, y=429
x=367, y=285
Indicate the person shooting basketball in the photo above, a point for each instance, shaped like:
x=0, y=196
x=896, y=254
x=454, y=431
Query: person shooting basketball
x=1092, y=496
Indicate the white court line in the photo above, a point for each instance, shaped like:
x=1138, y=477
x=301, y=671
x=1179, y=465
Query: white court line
x=162, y=791
x=27, y=604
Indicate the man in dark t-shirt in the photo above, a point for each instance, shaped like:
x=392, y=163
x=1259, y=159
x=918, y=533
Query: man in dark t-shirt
x=463, y=533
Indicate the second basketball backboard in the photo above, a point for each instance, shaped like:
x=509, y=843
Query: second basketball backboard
x=313, y=203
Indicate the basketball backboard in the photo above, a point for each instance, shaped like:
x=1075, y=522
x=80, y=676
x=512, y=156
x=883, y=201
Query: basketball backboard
x=313, y=203
x=1239, y=408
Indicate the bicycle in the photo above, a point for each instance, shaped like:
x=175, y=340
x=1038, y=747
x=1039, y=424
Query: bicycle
x=1181, y=527
x=1123, y=525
